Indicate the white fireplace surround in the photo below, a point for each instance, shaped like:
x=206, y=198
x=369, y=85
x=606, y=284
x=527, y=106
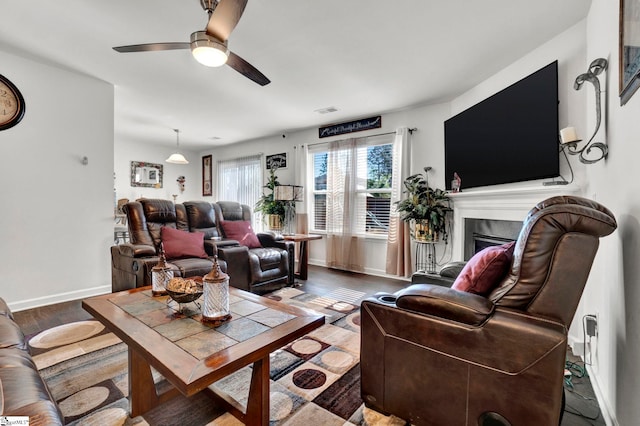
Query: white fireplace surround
x=498, y=204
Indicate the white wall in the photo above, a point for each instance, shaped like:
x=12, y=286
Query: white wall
x=613, y=293
x=569, y=49
x=126, y=151
x=57, y=215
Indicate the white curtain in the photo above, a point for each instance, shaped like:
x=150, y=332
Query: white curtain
x=345, y=249
x=240, y=179
x=301, y=153
x=399, y=241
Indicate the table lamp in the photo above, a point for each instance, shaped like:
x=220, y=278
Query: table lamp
x=289, y=194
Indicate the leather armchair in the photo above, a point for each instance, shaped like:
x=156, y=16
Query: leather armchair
x=255, y=269
x=434, y=355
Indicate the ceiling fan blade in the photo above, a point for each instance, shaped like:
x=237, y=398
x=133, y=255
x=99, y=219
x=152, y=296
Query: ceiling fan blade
x=151, y=47
x=225, y=17
x=246, y=69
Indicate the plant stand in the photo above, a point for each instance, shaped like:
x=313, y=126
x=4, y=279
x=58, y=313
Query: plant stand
x=426, y=256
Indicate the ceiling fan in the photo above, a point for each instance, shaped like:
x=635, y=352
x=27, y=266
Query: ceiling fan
x=209, y=47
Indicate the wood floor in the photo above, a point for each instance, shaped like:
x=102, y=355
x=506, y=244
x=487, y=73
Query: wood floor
x=582, y=408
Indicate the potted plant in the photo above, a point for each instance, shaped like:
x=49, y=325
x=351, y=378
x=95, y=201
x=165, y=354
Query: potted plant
x=426, y=208
x=272, y=210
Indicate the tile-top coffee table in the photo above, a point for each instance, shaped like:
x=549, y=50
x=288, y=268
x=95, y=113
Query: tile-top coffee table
x=192, y=355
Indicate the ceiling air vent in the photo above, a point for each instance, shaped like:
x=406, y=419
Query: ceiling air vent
x=326, y=110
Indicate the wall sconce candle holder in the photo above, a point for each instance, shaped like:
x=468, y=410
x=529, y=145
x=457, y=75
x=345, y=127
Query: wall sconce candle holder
x=568, y=136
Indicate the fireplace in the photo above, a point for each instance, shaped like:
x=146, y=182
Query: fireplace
x=483, y=233
x=500, y=212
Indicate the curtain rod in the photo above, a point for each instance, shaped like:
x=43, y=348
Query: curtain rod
x=411, y=130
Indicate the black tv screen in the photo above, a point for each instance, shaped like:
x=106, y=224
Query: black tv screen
x=511, y=136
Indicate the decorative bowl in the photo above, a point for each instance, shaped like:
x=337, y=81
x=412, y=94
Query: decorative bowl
x=185, y=290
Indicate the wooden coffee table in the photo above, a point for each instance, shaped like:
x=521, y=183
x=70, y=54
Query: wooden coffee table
x=192, y=355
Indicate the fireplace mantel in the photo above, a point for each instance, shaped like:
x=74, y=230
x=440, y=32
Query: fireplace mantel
x=498, y=204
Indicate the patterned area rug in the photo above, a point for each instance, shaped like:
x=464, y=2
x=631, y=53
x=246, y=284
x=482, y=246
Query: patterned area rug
x=314, y=381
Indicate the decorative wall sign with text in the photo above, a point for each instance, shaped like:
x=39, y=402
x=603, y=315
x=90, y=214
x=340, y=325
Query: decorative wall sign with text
x=351, y=126
x=278, y=161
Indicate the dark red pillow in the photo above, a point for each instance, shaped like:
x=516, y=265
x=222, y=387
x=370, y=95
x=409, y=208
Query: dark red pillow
x=485, y=269
x=180, y=244
x=241, y=231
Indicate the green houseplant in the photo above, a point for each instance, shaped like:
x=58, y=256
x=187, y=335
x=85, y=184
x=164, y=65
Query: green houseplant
x=272, y=210
x=425, y=207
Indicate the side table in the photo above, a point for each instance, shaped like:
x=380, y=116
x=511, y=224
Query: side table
x=303, y=260
x=426, y=256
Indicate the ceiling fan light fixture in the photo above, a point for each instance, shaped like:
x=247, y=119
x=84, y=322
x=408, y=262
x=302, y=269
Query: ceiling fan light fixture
x=208, y=50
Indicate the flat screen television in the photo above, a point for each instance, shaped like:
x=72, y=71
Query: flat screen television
x=511, y=136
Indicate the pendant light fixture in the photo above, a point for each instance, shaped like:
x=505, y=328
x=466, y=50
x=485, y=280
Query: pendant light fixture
x=177, y=157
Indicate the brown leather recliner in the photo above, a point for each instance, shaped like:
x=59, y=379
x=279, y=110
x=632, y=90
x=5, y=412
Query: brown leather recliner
x=256, y=269
x=434, y=355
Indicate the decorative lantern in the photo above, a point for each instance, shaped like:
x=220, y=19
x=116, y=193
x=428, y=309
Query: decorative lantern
x=160, y=275
x=216, y=296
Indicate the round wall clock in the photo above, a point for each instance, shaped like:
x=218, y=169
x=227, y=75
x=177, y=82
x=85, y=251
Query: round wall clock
x=11, y=104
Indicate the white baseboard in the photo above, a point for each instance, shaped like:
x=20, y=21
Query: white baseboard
x=607, y=413
x=58, y=298
x=577, y=347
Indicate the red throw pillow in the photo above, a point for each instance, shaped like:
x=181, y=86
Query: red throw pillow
x=180, y=244
x=241, y=231
x=485, y=269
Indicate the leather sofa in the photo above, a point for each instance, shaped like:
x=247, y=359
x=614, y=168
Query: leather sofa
x=435, y=355
x=255, y=269
x=22, y=391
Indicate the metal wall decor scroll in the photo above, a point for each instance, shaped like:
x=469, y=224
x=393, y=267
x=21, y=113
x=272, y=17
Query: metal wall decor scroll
x=597, y=67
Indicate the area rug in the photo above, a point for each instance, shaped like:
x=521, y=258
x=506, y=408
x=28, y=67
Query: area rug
x=314, y=381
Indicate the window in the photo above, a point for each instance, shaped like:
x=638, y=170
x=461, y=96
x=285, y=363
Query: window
x=240, y=180
x=373, y=163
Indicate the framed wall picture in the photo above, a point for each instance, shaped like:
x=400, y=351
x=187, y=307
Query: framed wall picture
x=206, y=176
x=146, y=175
x=629, y=49
x=278, y=161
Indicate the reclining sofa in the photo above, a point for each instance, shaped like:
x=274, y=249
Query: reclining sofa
x=257, y=269
x=23, y=392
